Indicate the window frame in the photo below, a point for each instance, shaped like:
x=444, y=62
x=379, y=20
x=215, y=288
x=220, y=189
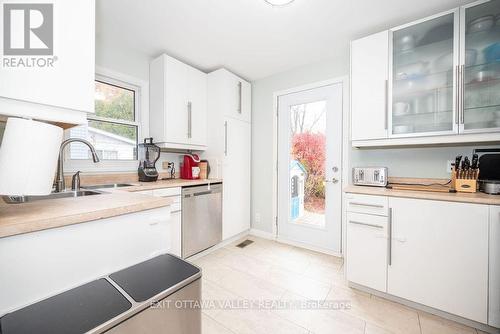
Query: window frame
x=141, y=107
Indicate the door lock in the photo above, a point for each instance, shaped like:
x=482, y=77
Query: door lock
x=335, y=169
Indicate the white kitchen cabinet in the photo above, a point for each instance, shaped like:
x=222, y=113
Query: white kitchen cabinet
x=63, y=92
x=494, y=279
x=439, y=255
x=178, y=104
x=442, y=83
x=235, y=94
x=369, y=84
x=40, y=264
x=229, y=149
x=366, y=261
x=236, y=176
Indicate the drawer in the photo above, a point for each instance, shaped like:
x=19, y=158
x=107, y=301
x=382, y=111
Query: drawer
x=372, y=205
x=144, y=192
x=165, y=192
x=175, y=207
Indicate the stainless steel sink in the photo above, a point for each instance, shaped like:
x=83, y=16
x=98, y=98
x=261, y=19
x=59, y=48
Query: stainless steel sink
x=114, y=185
x=64, y=194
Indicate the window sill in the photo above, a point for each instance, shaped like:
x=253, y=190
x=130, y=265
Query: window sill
x=104, y=166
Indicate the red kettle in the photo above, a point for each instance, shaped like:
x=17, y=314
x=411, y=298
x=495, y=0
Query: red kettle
x=189, y=167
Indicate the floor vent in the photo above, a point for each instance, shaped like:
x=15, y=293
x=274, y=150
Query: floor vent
x=244, y=243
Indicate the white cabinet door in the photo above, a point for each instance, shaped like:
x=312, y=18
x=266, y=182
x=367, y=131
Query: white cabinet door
x=176, y=101
x=69, y=82
x=494, y=288
x=236, y=175
x=439, y=255
x=178, y=104
x=246, y=101
x=197, y=98
x=369, y=84
x=367, y=250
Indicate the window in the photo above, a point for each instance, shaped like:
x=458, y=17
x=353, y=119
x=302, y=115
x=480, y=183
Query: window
x=114, y=128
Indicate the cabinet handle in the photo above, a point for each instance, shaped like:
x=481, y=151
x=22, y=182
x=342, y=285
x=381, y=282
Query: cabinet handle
x=386, y=120
x=225, y=138
x=366, y=204
x=457, y=94
x=190, y=120
x=462, y=115
x=365, y=224
x=389, y=234
x=240, y=88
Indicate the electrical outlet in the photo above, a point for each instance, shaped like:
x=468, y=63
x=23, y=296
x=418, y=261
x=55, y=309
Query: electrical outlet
x=257, y=218
x=449, y=166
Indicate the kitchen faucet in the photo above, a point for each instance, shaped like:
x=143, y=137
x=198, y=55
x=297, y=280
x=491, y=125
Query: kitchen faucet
x=60, y=184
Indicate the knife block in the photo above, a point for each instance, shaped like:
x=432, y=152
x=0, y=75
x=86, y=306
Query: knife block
x=467, y=184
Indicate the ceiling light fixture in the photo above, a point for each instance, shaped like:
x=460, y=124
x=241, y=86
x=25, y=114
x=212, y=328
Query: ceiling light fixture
x=279, y=3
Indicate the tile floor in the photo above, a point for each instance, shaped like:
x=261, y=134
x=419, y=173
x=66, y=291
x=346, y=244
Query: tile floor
x=267, y=270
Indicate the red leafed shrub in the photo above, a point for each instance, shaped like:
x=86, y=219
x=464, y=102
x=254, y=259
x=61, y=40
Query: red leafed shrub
x=309, y=149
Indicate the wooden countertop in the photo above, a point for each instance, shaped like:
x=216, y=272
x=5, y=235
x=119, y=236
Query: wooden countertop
x=478, y=198
x=141, y=186
x=41, y=215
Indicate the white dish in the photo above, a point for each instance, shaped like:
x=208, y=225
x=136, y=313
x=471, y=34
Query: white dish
x=399, y=129
x=482, y=23
x=400, y=109
x=412, y=71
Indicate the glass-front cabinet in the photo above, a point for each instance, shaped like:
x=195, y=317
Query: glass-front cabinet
x=445, y=73
x=480, y=67
x=424, y=56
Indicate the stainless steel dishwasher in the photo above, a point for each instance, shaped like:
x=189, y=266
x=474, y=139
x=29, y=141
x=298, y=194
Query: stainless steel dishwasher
x=201, y=218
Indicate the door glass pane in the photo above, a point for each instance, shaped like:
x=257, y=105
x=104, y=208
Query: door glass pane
x=482, y=66
x=307, y=163
x=422, y=77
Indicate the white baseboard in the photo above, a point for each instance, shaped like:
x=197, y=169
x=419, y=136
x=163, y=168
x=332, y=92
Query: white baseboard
x=309, y=247
x=420, y=307
x=262, y=234
x=222, y=244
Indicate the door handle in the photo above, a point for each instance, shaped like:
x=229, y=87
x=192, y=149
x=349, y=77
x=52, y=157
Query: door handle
x=386, y=120
x=225, y=138
x=462, y=111
x=240, y=93
x=365, y=224
x=366, y=204
x=457, y=94
x=333, y=180
x=389, y=234
x=190, y=108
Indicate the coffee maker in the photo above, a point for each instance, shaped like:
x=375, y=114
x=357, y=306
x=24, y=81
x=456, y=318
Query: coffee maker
x=189, y=166
x=148, y=154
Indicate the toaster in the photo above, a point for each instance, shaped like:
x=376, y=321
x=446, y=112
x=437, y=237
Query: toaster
x=369, y=176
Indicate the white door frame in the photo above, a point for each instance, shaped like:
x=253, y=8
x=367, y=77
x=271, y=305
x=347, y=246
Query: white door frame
x=344, y=80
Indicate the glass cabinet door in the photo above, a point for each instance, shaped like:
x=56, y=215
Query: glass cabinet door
x=422, y=86
x=480, y=59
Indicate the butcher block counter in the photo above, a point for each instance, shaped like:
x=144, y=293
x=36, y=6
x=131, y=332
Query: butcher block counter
x=41, y=215
x=477, y=198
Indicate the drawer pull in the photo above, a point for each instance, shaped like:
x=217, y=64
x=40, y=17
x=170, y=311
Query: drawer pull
x=366, y=204
x=365, y=224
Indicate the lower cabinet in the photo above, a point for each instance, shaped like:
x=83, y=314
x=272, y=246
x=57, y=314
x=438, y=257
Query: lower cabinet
x=439, y=255
x=443, y=255
x=367, y=250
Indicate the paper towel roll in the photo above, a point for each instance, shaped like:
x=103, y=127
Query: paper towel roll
x=28, y=157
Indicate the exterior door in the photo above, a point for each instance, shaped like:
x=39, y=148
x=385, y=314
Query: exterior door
x=309, y=167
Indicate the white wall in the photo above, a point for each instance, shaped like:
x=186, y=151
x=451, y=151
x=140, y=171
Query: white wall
x=428, y=162
x=262, y=128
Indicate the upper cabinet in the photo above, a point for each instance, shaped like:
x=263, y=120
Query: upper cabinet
x=480, y=67
x=236, y=92
x=369, y=84
x=422, y=86
x=178, y=105
x=443, y=80
x=48, y=74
